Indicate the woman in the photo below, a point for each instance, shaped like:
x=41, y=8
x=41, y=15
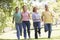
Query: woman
x=36, y=22
x=25, y=21
x=18, y=22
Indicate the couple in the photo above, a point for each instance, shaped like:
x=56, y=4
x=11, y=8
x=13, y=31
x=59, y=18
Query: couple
x=23, y=19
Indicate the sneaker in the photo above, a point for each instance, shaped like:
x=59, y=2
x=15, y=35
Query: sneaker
x=36, y=37
x=49, y=37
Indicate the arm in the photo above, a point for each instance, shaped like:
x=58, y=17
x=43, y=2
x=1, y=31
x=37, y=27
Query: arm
x=13, y=20
x=21, y=15
x=42, y=17
x=29, y=16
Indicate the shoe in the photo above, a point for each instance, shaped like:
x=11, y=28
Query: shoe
x=45, y=30
x=36, y=37
x=49, y=37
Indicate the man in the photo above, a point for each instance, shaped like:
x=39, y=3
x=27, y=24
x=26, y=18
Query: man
x=47, y=17
x=18, y=22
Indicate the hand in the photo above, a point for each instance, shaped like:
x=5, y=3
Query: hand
x=12, y=21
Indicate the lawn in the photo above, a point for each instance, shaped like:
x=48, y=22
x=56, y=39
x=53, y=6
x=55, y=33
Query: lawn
x=55, y=38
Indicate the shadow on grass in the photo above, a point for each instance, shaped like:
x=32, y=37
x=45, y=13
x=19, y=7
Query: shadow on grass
x=35, y=39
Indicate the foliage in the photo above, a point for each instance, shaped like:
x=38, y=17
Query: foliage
x=7, y=8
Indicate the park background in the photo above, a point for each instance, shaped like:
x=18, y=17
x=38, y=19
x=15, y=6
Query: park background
x=7, y=8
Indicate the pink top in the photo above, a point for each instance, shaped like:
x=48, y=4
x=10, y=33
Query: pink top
x=25, y=16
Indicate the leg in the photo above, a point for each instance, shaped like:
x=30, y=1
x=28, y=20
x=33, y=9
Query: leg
x=18, y=31
x=28, y=28
x=24, y=28
x=50, y=29
x=20, y=27
x=45, y=27
x=39, y=29
x=35, y=28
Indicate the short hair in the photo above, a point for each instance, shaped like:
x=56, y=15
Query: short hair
x=46, y=5
x=16, y=7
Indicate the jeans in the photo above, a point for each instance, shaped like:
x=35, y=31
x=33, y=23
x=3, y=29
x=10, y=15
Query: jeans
x=48, y=28
x=19, y=29
x=26, y=24
x=37, y=28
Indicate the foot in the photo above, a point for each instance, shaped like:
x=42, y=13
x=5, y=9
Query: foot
x=45, y=30
x=49, y=37
x=18, y=39
x=36, y=37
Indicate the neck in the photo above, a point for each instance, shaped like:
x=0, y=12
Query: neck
x=35, y=11
x=24, y=11
x=16, y=11
x=46, y=9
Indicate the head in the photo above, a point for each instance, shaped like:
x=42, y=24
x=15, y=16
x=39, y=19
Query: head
x=35, y=9
x=17, y=9
x=24, y=8
x=46, y=7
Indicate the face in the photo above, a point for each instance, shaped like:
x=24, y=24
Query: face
x=17, y=9
x=35, y=9
x=46, y=7
x=24, y=8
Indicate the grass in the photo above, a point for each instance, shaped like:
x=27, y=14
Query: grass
x=55, y=38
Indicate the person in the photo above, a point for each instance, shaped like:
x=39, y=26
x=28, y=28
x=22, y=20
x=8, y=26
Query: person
x=36, y=22
x=47, y=18
x=25, y=21
x=18, y=22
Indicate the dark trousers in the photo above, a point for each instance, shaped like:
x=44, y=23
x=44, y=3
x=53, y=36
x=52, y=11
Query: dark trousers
x=26, y=24
x=36, y=28
x=48, y=28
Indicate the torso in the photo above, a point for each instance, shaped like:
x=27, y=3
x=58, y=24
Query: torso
x=25, y=16
x=47, y=17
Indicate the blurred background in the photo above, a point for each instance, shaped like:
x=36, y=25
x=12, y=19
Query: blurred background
x=7, y=8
